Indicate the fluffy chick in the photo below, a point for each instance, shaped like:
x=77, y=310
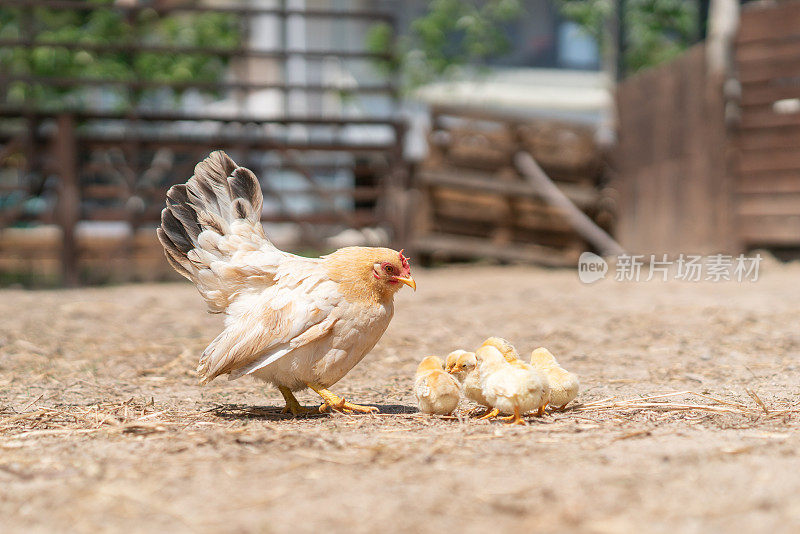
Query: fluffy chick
x=564, y=385
x=465, y=368
x=437, y=392
x=510, y=389
x=505, y=347
x=511, y=355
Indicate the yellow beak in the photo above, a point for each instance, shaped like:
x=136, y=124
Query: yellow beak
x=409, y=282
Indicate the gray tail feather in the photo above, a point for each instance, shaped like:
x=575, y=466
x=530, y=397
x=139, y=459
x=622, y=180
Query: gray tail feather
x=217, y=194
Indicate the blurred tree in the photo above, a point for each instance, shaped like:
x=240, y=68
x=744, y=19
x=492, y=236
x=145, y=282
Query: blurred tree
x=452, y=34
x=656, y=30
x=108, y=25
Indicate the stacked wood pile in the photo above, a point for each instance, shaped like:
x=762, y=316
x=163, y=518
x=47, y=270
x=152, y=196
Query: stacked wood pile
x=475, y=203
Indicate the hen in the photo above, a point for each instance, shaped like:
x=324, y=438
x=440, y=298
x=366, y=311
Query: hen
x=291, y=321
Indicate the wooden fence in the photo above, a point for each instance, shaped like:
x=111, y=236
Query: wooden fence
x=672, y=161
x=768, y=140
x=702, y=170
x=68, y=165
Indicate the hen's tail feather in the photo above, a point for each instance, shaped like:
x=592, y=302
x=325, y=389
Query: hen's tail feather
x=199, y=224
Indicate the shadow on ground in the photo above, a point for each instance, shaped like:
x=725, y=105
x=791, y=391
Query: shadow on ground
x=273, y=413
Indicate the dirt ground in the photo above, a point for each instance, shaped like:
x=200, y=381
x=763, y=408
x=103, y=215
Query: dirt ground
x=103, y=427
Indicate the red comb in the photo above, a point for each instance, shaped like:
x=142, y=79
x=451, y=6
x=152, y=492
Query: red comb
x=404, y=260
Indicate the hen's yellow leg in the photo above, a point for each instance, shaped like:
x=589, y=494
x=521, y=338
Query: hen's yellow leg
x=494, y=412
x=292, y=404
x=515, y=419
x=335, y=402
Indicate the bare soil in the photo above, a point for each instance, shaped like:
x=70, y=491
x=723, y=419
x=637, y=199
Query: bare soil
x=103, y=427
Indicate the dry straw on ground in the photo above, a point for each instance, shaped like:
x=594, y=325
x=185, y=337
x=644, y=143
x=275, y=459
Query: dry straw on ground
x=687, y=420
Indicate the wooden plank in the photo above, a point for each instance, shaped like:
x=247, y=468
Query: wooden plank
x=770, y=182
x=769, y=138
x=752, y=121
x=769, y=204
x=768, y=50
x=770, y=230
x=751, y=161
x=582, y=224
x=583, y=196
x=759, y=96
x=783, y=70
x=766, y=23
x=469, y=248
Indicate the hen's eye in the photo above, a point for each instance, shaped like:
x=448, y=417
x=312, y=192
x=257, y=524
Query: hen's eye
x=389, y=269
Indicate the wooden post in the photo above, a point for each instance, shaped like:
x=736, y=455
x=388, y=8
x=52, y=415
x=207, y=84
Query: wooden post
x=69, y=202
x=551, y=194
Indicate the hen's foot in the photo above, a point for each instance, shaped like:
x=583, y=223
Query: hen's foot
x=515, y=419
x=541, y=410
x=338, y=404
x=494, y=412
x=292, y=404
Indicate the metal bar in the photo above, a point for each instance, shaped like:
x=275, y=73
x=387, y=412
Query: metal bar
x=145, y=84
x=193, y=8
x=69, y=201
x=238, y=52
x=155, y=116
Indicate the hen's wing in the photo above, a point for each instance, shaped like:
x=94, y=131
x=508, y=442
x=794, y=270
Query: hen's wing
x=300, y=307
x=212, y=234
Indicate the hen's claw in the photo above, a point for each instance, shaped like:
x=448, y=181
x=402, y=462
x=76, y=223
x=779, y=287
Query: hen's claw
x=338, y=404
x=347, y=407
x=292, y=404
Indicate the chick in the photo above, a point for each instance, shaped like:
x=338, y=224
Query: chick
x=505, y=347
x=511, y=355
x=452, y=358
x=465, y=368
x=509, y=389
x=437, y=392
x=563, y=384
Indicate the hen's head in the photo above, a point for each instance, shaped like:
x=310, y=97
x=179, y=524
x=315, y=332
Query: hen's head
x=367, y=272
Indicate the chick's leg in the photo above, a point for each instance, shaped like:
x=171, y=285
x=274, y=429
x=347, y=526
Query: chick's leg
x=515, y=419
x=292, y=404
x=335, y=402
x=494, y=412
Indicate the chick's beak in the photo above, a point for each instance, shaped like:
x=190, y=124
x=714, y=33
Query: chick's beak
x=409, y=281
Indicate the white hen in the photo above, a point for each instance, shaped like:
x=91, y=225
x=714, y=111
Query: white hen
x=292, y=321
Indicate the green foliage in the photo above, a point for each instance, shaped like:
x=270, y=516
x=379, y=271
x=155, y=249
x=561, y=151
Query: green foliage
x=105, y=26
x=657, y=30
x=451, y=35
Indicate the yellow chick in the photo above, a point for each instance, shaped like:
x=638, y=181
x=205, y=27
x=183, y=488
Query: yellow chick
x=511, y=355
x=437, y=392
x=452, y=358
x=505, y=347
x=563, y=384
x=465, y=369
x=509, y=389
